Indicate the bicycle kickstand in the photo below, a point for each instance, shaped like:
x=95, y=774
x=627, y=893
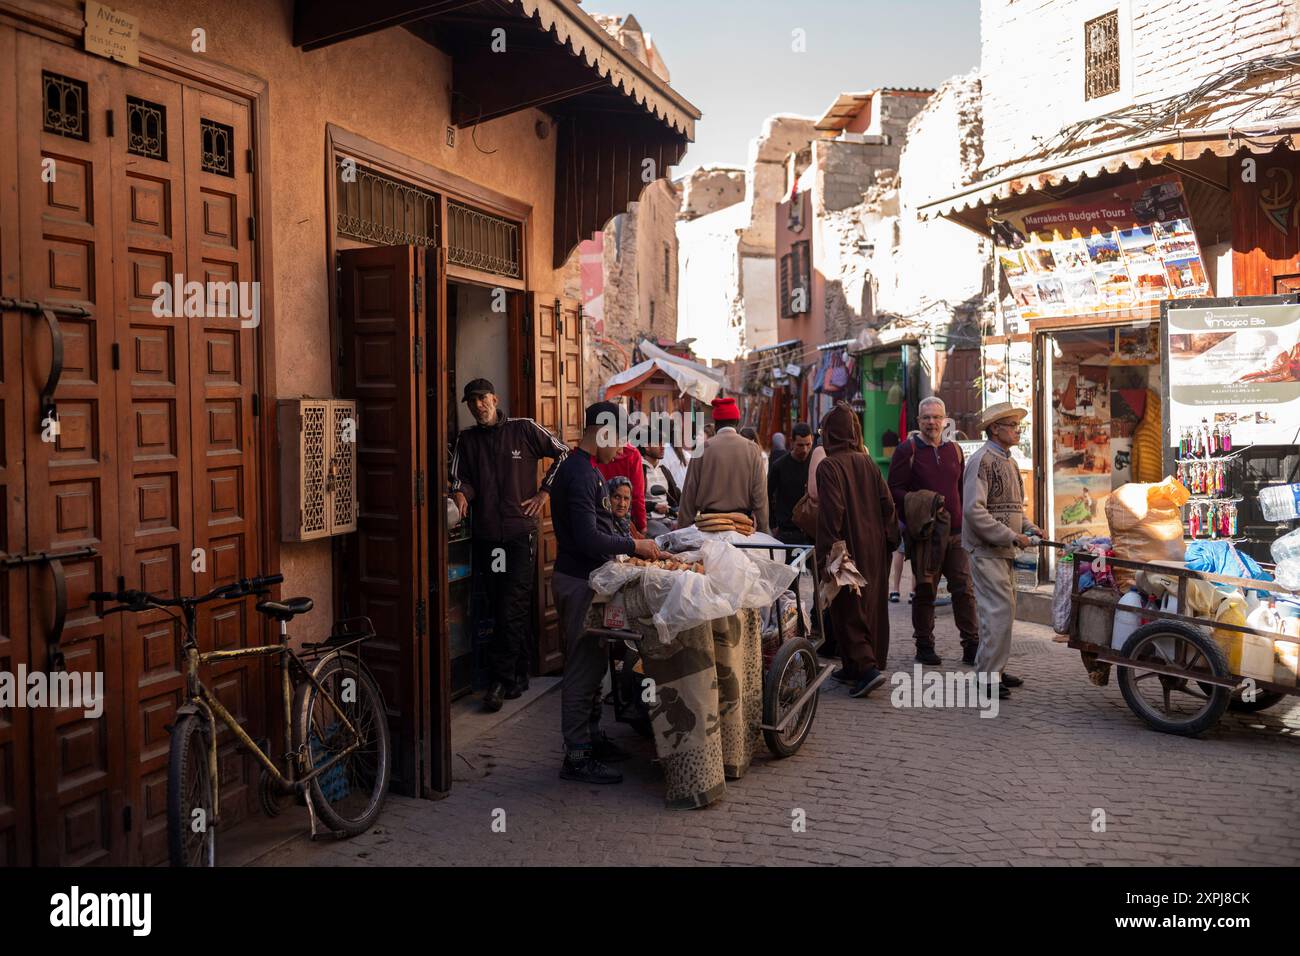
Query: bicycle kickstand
x=311, y=813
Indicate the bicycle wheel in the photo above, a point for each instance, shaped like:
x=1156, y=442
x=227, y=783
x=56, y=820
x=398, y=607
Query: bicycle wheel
x=792, y=672
x=349, y=795
x=191, y=829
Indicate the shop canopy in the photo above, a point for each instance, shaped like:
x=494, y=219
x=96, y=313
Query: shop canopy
x=615, y=118
x=1024, y=183
x=691, y=378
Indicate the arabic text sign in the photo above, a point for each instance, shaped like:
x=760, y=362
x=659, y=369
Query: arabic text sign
x=112, y=33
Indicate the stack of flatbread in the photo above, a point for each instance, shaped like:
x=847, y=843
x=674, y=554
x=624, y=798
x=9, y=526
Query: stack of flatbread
x=668, y=564
x=730, y=521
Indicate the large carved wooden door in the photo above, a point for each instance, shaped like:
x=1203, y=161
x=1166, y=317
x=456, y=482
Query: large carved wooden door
x=122, y=184
x=557, y=407
x=386, y=577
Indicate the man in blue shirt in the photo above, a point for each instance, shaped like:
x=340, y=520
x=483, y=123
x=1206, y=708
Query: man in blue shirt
x=586, y=538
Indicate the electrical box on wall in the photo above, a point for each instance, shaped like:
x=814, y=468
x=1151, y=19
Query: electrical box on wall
x=318, y=467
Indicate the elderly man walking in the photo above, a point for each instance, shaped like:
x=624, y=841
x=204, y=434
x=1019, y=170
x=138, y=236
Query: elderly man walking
x=993, y=527
x=726, y=475
x=925, y=466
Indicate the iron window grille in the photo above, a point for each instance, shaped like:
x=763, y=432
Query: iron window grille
x=66, y=111
x=218, y=142
x=1101, y=55
x=146, y=126
x=376, y=208
x=481, y=241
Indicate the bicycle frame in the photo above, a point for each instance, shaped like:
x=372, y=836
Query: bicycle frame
x=199, y=699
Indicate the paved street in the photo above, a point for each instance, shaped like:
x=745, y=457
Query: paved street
x=881, y=785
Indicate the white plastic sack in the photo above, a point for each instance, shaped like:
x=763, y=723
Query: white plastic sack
x=1062, y=598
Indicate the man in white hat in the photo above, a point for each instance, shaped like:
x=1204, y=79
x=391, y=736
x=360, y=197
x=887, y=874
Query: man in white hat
x=993, y=526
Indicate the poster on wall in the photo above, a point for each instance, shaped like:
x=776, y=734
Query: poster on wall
x=1116, y=249
x=1237, y=366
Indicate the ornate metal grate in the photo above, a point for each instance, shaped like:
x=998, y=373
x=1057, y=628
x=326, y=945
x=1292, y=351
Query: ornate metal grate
x=375, y=208
x=1101, y=55
x=66, y=110
x=343, y=467
x=218, y=148
x=146, y=127
x=482, y=242
x=314, y=518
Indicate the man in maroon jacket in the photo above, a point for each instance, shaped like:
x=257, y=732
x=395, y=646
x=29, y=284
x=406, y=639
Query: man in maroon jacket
x=926, y=462
x=494, y=466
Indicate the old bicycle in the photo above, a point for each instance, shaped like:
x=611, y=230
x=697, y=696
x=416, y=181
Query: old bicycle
x=337, y=751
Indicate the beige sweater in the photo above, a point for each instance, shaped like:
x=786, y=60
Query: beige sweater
x=727, y=475
x=993, y=504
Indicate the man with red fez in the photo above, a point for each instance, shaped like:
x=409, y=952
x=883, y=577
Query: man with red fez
x=726, y=475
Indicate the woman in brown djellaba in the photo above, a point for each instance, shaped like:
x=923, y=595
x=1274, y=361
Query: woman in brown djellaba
x=855, y=506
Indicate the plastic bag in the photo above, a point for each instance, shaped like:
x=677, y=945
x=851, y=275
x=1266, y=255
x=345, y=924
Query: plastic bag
x=1146, y=523
x=1061, y=596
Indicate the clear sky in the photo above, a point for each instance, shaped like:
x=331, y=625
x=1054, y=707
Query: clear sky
x=733, y=58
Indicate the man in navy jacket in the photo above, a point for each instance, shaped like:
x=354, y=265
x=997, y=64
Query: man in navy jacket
x=586, y=538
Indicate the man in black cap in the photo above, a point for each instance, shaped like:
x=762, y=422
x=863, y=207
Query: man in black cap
x=586, y=537
x=494, y=466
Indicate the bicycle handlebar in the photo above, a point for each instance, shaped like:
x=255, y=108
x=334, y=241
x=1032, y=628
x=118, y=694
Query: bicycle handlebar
x=133, y=600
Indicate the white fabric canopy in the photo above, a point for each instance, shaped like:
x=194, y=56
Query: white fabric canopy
x=698, y=381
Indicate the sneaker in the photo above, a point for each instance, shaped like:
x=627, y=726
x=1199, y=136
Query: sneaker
x=604, y=749
x=495, y=696
x=1010, y=680
x=893, y=597
x=517, y=689
x=868, y=682
x=1004, y=692
x=911, y=596
x=581, y=766
x=926, y=655
x=968, y=654
x=844, y=675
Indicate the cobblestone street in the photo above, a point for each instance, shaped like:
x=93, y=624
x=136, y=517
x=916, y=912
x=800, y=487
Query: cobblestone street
x=881, y=785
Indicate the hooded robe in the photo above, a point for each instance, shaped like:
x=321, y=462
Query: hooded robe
x=855, y=505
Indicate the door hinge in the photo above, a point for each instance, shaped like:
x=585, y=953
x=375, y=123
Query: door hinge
x=421, y=621
x=249, y=154
x=252, y=228
x=117, y=356
x=417, y=355
x=419, y=489
x=126, y=818
x=561, y=370
x=257, y=405
x=108, y=121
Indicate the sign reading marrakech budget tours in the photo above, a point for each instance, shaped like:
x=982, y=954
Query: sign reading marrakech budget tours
x=1237, y=366
x=1124, y=247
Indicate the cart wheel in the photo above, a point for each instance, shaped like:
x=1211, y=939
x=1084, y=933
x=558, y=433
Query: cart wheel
x=1174, y=705
x=793, y=670
x=1264, y=699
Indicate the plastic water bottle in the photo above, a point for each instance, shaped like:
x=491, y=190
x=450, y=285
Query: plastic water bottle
x=1287, y=573
x=1280, y=502
x=1286, y=548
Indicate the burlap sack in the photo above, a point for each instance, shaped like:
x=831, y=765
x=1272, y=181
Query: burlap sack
x=1146, y=524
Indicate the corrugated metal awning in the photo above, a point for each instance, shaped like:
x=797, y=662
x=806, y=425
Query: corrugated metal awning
x=1047, y=172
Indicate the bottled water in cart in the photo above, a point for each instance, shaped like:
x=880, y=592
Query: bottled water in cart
x=1280, y=503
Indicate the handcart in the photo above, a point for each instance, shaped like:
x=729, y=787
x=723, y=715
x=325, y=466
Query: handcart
x=792, y=674
x=1173, y=673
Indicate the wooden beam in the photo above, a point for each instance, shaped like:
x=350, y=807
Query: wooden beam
x=320, y=23
x=486, y=84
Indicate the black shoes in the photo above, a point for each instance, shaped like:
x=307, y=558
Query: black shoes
x=1010, y=681
x=517, y=689
x=893, y=597
x=844, y=675
x=582, y=766
x=867, y=683
x=968, y=654
x=495, y=696
x=604, y=749
x=926, y=655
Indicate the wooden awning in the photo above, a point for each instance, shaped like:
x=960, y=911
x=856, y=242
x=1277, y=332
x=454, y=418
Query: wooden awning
x=617, y=121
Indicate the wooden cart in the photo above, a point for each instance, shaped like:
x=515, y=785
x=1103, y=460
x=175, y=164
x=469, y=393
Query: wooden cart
x=1172, y=672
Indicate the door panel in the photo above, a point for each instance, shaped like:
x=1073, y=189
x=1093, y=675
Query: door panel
x=386, y=561
x=15, y=769
x=73, y=484
x=223, y=445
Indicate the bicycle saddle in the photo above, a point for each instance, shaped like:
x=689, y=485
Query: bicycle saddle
x=286, y=609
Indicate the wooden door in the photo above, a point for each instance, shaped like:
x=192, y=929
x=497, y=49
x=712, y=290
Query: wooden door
x=73, y=482
x=385, y=575
x=954, y=373
x=556, y=331
x=155, y=462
